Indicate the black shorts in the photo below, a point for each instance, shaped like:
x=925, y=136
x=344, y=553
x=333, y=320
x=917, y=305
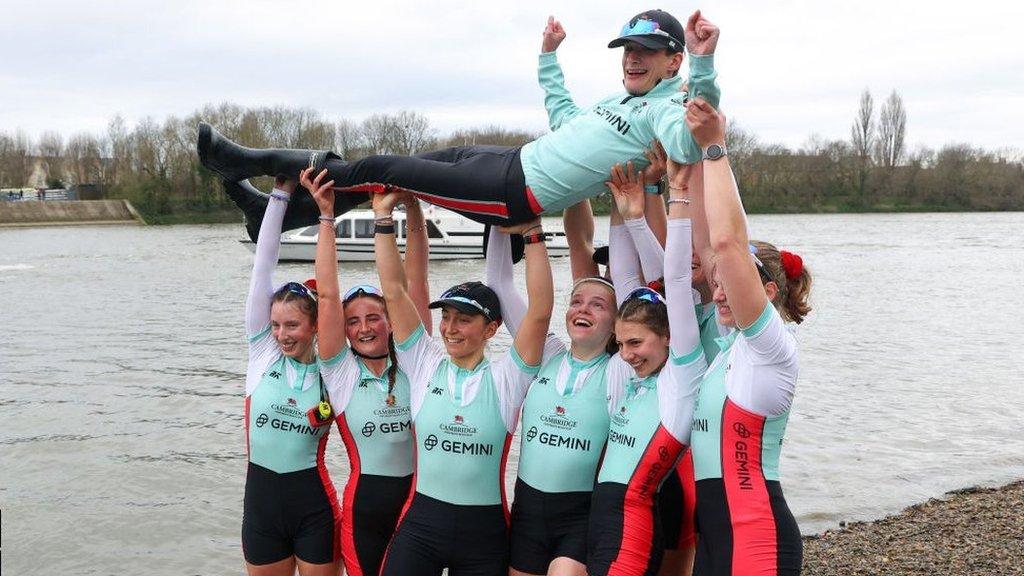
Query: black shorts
x=766, y=541
x=546, y=526
x=433, y=535
x=370, y=514
x=291, y=514
x=624, y=536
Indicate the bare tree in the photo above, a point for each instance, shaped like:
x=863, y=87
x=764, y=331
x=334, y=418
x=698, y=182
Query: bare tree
x=863, y=139
x=348, y=139
x=404, y=133
x=51, y=150
x=892, y=126
x=15, y=164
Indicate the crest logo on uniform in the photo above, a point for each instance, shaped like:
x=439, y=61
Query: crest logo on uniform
x=560, y=410
x=390, y=400
x=275, y=374
x=459, y=419
x=292, y=402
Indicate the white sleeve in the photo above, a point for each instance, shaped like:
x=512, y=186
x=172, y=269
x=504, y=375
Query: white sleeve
x=684, y=332
x=622, y=263
x=501, y=278
x=617, y=373
x=419, y=356
x=268, y=245
x=768, y=383
x=650, y=251
x=680, y=379
x=341, y=375
x=263, y=351
x=512, y=379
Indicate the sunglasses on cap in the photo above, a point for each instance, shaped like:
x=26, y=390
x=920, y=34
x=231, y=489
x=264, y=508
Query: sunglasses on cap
x=647, y=295
x=642, y=26
x=297, y=288
x=360, y=290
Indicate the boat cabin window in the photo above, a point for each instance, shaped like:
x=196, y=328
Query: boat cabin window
x=364, y=228
x=311, y=231
x=344, y=229
x=432, y=231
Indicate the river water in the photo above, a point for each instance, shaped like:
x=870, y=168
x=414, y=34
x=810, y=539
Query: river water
x=122, y=368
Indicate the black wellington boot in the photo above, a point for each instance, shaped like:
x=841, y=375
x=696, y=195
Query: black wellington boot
x=302, y=209
x=235, y=163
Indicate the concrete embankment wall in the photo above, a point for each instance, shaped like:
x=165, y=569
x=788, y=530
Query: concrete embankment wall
x=61, y=213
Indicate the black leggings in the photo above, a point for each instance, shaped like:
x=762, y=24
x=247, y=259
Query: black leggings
x=483, y=183
x=433, y=535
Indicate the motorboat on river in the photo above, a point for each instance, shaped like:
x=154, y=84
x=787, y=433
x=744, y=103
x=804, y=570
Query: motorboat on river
x=451, y=236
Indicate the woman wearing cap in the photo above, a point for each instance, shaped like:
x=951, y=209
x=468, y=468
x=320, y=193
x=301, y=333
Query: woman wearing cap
x=745, y=396
x=464, y=411
x=290, y=509
x=650, y=425
x=368, y=391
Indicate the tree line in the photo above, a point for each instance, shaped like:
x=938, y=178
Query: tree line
x=154, y=164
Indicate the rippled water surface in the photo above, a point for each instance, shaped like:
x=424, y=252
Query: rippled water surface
x=122, y=367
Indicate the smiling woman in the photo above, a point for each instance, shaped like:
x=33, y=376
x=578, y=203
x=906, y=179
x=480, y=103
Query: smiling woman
x=464, y=409
x=286, y=417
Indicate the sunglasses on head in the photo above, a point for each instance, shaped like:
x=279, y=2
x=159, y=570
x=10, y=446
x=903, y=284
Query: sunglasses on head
x=360, y=290
x=761, y=270
x=297, y=288
x=647, y=295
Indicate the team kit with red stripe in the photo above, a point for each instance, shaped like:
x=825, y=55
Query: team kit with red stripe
x=373, y=418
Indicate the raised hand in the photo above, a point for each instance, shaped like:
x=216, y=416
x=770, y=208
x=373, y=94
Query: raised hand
x=700, y=35
x=384, y=204
x=323, y=192
x=657, y=156
x=627, y=186
x=523, y=227
x=553, y=35
x=706, y=124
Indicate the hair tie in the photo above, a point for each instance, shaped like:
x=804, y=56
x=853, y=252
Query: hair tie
x=311, y=284
x=793, y=264
x=657, y=285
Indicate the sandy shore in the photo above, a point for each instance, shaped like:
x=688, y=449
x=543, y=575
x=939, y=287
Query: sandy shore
x=975, y=531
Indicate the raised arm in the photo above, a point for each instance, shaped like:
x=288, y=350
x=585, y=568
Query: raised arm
x=500, y=277
x=727, y=222
x=268, y=247
x=330, y=335
x=529, y=342
x=633, y=241
x=684, y=331
x=557, y=101
x=654, y=205
x=402, y=312
x=668, y=118
x=578, y=222
x=417, y=257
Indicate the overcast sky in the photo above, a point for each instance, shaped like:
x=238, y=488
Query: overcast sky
x=787, y=69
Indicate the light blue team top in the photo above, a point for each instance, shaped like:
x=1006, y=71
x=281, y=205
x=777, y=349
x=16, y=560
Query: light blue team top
x=573, y=161
x=377, y=423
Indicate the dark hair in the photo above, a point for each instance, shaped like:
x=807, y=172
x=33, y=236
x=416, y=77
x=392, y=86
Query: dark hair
x=393, y=369
x=791, y=299
x=653, y=315
x=305, y=303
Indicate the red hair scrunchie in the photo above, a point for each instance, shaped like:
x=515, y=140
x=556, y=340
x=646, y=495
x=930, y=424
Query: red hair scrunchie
x=793, y=264
x=311, y=284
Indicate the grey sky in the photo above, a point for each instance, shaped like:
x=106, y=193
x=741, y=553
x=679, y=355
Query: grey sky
x=787, y=69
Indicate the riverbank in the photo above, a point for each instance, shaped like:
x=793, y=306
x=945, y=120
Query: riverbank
x=970, y=532
x=68, y=212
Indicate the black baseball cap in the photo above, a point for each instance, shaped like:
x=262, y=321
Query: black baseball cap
x=471, y=298
x=654, y=29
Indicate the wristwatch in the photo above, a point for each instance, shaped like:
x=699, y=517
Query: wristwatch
x=714, y=151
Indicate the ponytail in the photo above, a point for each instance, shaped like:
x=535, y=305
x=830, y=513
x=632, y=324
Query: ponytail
x=788, y=272
x=796, y=304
